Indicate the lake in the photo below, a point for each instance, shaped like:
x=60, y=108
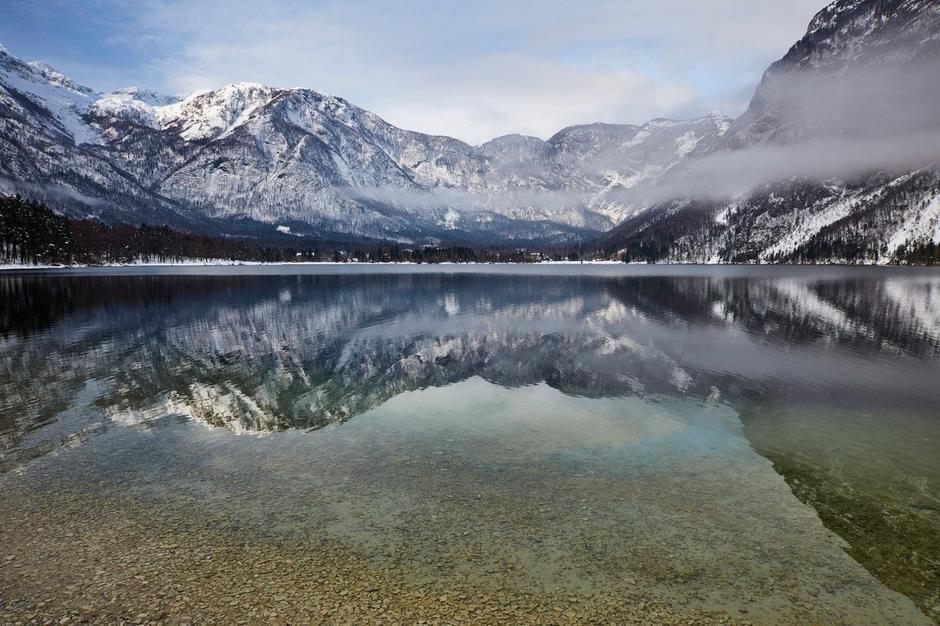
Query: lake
x=470, y=444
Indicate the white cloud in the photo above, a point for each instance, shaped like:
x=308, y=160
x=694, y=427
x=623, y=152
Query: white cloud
x=477, y=69
x=506, y=93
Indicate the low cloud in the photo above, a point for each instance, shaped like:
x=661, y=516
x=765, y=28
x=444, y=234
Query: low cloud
x=46, y=192
x=818, y=126
x=443, y=199
x=802, y=126
x=472, y=70
x=737, y=172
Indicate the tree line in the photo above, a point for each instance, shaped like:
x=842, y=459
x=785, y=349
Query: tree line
x=920, y=254
x=33, y=234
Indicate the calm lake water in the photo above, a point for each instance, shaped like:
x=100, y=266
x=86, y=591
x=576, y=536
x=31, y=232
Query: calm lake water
x=551, y=444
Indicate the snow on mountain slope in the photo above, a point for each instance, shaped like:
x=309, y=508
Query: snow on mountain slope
x=49, y=151
x=32, y=86
x=916, y=226
x=125, y=106
x=209, y=115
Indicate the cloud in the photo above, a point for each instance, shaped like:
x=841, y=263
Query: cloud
x=45, y=191
x=511, y=93
x=738, y=172
x=812, y=125
x=471, y=69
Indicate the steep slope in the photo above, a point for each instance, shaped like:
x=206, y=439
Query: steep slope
x=852, y=51
x=835, y=159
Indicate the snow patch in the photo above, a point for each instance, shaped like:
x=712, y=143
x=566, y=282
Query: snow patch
x=686, y=143
x=214, y=114
x=450, y=220
x=126, y=106
x=810, y=226
x=919, y=226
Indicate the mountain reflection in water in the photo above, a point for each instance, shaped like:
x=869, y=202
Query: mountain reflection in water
x=832, y=373
x=265, y=353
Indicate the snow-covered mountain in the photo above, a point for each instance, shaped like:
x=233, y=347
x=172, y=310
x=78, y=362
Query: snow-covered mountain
x=836, y=159
x=248, y=156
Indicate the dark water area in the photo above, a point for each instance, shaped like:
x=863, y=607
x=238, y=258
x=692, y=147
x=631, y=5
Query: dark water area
x=550, y=444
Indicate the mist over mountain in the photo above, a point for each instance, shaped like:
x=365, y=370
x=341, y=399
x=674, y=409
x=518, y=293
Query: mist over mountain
x=834, y=160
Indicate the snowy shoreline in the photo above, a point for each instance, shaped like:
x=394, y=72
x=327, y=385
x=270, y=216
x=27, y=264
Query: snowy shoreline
x=224, y=263
x=221, y=263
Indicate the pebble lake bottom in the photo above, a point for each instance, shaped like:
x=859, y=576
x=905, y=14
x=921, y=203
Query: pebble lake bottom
x=614, y=445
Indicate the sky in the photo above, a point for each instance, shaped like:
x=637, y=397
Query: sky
x=471, y=69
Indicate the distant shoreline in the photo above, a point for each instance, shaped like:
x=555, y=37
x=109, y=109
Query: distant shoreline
x=223, y=263
x=10, y=268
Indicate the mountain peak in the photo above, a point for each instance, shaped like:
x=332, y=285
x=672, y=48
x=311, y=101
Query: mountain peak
x=147, y=96
x=209, y=114
x=512, y=139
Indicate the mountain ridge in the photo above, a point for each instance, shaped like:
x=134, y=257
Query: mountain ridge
x=247, y=151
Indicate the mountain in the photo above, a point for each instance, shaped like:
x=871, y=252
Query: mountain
x=835, y=159
x=264, y=160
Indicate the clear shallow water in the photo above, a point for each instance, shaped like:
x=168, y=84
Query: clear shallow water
x=568, y=444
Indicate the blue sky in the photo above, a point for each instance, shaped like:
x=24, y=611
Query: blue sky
x=470, y=69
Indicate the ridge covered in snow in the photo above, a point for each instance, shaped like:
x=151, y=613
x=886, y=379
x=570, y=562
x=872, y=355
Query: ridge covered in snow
x=316, y=162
